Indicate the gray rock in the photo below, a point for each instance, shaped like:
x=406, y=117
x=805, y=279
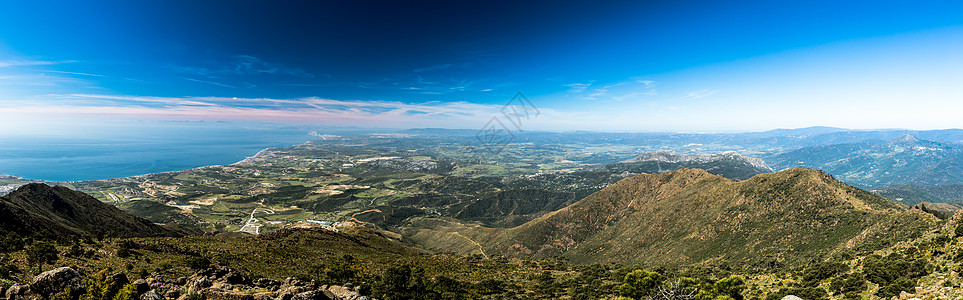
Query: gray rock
x=213, y=294
x=17, y=290
x=267, y=283
x=341, y=292
x=791, y=297
x=141, y=286
x=152, y=295
x=311, y=295
x=120, y=279
x=197, y=283
x=235, y=278
x=56, y=280
x=284, y=296
x=220, y=285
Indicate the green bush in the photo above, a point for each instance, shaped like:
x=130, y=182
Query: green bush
x=11, y=242
x=849, y=285
x=198, y=262
x=894, y=273
x=895, y=287
x=128, y=292
x=100, y=287
x=731, y=286
x=639, y=283
x=824, y=270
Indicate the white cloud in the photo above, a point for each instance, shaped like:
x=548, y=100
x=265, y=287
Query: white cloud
x=28, y=62
x=302, y=110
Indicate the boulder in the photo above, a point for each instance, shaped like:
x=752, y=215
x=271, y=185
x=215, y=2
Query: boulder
x=152, y=295
x=213, y=294
x=235, y=278
x=141, y=286
x=17, y=291
x=197, y=283
x=791, y=297
x=220, y=285
x=311, y=295
x=284, y=296
x=56, y=280
x=342, y=292
x=266, y=283
x=120, y=279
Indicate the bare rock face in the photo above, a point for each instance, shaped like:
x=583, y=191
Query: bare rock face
x=56, y=280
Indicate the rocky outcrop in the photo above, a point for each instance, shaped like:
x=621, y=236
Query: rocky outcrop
x=218, y=283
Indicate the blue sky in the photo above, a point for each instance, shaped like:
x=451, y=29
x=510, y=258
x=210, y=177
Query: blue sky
x=605, y=65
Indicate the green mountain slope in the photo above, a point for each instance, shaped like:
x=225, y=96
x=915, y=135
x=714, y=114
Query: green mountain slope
x=60, y=211
x=691, y=216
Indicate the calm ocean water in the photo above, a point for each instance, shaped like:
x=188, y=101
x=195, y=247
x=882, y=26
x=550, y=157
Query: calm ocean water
x=125, y=152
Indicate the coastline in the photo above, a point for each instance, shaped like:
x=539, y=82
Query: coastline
x=246, y=160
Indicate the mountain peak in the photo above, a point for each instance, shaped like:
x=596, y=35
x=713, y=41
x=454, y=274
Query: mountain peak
x=641, y=218
x=904, y=139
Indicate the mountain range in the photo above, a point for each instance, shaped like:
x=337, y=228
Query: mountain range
x=904, y=159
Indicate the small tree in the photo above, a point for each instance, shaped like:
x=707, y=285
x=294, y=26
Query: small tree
x=41, y=253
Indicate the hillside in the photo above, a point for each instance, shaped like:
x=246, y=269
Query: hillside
x=691, y=216
x=37, y=208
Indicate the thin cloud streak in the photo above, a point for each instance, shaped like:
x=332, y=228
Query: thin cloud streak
x=303, y=110
x=208, y=82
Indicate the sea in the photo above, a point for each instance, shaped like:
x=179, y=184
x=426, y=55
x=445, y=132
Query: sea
x=122, y=151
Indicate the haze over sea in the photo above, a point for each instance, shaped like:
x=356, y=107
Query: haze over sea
x=92, y=153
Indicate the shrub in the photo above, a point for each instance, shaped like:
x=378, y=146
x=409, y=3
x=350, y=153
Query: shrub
x=894, y=273
x=639, y=283
x=11, y=242
x=849, y=285
x=820, y=271
x=198, y=262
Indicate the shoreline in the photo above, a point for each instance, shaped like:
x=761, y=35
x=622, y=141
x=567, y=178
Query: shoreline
x=259, y=153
